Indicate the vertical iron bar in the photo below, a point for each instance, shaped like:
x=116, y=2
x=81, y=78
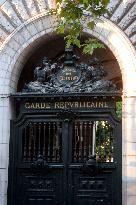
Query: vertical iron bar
x=80, y=141
x=54, y=140
x=85, y=141
x=25, y=144
x=49, y=140
x=78, y=144
x=75, y=142
x=29, y=141
x=110, y=145
x=44, y=140
x=105, y=139
x=94, y=137
x=39, y=139
x=99, y=140
x=60, y=142
x=34, y=139
x=57, y=143
x=90, y=140
x=65, y=159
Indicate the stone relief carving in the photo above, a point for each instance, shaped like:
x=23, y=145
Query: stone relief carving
x=67, y=75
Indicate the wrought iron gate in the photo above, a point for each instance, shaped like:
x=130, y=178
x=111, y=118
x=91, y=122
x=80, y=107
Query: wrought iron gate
x=65, y=145
x=56, y=158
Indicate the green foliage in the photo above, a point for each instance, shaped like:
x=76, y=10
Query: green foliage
x=90, y=45
x=71, y=40
x=70, y=15
x=104, y=141
x=119, y=109
x=91, y=25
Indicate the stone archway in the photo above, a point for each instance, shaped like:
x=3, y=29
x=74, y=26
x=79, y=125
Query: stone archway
x=25, y=39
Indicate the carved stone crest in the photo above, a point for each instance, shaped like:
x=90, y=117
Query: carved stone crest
x=67, y=76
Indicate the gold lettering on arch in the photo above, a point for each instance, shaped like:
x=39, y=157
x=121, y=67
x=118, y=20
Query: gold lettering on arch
x=67, y=104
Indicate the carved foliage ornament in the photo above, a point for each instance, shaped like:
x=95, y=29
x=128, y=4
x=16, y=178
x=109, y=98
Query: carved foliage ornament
x=67, y=76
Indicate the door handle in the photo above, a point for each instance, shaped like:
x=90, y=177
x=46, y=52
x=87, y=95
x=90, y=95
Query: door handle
x=40, y=163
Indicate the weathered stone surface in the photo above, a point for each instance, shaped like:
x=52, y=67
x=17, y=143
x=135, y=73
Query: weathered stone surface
x=9, y=10
x=14, y=13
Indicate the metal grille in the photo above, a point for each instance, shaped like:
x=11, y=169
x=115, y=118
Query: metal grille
x=42, y=138
x=92, y=138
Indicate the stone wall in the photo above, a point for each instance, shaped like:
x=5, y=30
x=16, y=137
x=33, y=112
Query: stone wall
x=14, y=13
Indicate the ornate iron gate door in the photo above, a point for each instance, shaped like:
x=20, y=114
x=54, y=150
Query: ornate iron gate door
x=37, y=163
x=65, y=161
x=93, y=169
x=65, y=144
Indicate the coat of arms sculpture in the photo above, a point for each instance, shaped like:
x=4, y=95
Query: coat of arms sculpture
x=69, y=76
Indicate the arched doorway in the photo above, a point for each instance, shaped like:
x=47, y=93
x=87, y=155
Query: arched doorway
x=66, y=144
x=16, y=51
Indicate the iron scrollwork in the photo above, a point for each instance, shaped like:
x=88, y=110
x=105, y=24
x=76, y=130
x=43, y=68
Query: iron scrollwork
x=91, y=166
x=69, y=76
x=40, y=164
x=67, y=115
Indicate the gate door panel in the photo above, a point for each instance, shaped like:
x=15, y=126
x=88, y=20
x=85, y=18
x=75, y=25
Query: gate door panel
x=38, y=189
x=66, y=161
x=38, y=165
x=92, y=178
